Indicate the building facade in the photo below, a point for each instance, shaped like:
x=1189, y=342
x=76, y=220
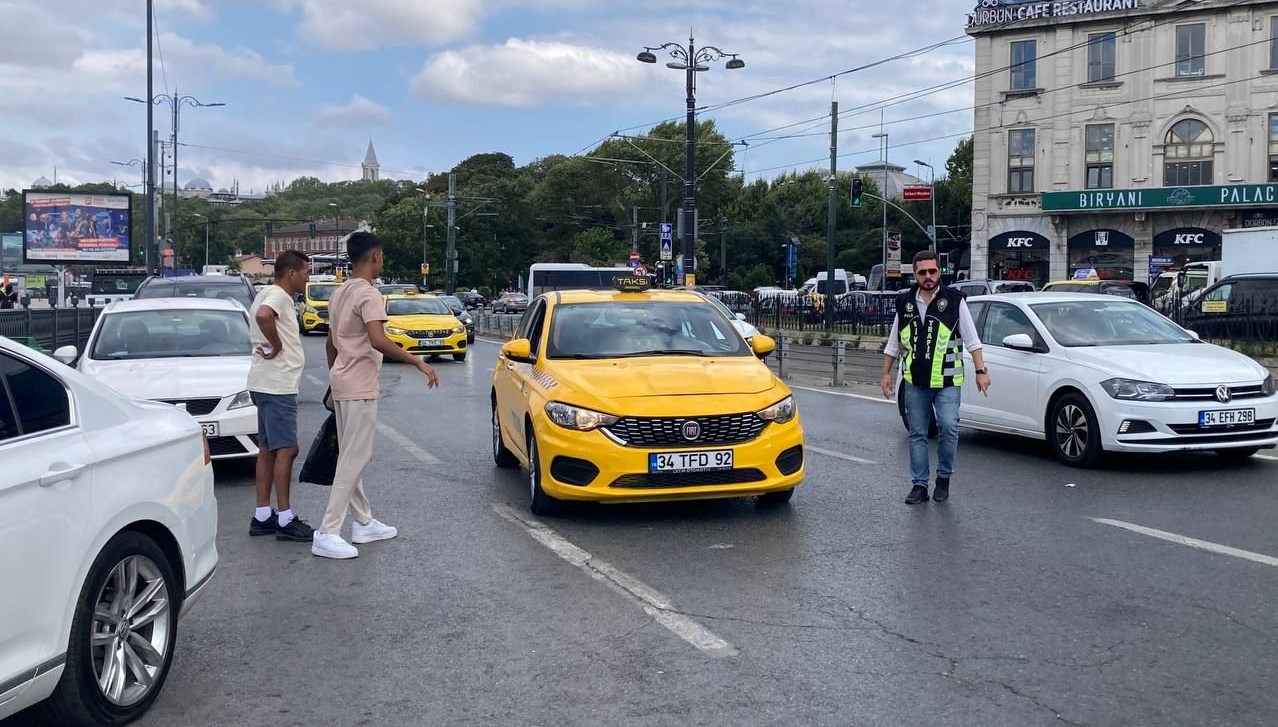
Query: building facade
x=1120, y=136
x=313, y=238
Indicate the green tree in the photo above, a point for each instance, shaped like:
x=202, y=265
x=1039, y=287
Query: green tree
x=596, y=247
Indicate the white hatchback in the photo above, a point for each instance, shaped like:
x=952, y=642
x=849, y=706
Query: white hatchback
x=1095, y=373
x=110, y=522
x=191, y=352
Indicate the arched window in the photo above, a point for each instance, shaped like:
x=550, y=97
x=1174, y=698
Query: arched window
x=1187, y=154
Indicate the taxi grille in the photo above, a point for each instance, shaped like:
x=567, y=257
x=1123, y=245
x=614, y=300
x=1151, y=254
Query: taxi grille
x=435, y=333
x=668, y=431
x=322, y=313
x=195, y=407
x=689, y=479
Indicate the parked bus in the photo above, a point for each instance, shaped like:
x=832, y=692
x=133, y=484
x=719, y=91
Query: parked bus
x=543, y=277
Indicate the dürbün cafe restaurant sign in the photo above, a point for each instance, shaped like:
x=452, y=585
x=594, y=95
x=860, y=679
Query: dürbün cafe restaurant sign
x=998, y=12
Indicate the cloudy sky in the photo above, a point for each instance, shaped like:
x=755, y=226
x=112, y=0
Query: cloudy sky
x=307, y=83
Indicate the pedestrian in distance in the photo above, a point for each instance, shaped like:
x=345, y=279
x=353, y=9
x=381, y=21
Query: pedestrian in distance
x=275, y=376
x=356, y=344
x=8, y=298
x=931, y=329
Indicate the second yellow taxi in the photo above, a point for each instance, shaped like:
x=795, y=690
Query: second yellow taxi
x=626, y=396
x=423, y=324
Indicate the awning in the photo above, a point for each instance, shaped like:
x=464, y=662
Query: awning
x=1101, y=240
x=1019, y=240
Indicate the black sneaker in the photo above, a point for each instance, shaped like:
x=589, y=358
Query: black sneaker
x=296, y=530
x=270, y=526
x=942, y=491
x=917, y=495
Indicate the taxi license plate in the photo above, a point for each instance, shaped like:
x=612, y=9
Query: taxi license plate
x=718, y=459
x=425, y=342
x=1226, y=417
x=210, y=428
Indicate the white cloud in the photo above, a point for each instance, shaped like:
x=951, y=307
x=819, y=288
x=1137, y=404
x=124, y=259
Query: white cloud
x=527, y=73
x=194, y=8
x=359, y=112
x=240, y=64
x=369, y=24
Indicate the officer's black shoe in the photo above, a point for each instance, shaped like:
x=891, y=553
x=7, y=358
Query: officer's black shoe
x=917, y=495
x=942, y=491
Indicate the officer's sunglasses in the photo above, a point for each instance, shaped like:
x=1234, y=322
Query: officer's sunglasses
x=929, y=271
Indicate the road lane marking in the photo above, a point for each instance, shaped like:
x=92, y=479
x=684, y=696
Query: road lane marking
x=393, y=434
x=409, y=445
x=876, y=399
x=1191, y=542
x=653, y=602
x=838, y=455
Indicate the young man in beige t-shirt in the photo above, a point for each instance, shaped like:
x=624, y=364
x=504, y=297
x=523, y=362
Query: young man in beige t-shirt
x=356, y=343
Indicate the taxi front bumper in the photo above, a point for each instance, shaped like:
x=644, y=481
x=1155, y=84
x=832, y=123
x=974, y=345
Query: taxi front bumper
x=315, y=321
x=591, y=466
x=452, y=343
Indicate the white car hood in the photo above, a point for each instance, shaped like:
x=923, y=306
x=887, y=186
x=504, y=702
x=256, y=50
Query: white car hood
x=1175, y=364
x=172, y=378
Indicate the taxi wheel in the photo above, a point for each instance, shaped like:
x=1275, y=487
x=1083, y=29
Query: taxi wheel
x=538, y=501
x=780, y=497
x=459, y=357
x=503, y=457
x=1073, y=433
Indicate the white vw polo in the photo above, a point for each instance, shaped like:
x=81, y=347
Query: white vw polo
x=191, y=352
x=110, y=534
x=1096, y=373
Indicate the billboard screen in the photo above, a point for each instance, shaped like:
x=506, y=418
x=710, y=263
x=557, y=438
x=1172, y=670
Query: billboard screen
x=72, y=228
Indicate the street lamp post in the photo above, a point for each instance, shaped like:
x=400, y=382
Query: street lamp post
x=175, y=101
x=932, y=183
x=883, y=277
x=691, y=60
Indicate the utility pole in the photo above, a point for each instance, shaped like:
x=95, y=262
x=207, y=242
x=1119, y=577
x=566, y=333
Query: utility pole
x=690, y=170
x=831, y=218
x=450, y=257
x=177, y=221
x=151, y=248
x=723, y=250
x=634, y=229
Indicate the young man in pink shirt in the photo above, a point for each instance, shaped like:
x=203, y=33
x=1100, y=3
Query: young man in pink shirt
x=356, y=344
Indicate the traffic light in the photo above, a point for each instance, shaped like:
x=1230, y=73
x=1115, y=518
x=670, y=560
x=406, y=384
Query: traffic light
x=857, y=189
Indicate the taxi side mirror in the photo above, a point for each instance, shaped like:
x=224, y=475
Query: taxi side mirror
x=762, y=345
x=519, y=350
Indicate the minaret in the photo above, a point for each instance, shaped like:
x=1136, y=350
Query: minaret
x=370, y=164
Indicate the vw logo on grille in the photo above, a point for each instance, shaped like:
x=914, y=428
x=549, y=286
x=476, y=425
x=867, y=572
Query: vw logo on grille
x=691, y=430
x=1223, y=394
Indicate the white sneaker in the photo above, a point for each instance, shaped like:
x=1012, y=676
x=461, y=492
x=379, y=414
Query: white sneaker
x=326, y=545
x=373, y=531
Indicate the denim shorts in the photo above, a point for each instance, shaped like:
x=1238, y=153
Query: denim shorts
x=276, y=420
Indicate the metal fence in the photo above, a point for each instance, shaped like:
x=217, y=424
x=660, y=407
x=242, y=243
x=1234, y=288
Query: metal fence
x=48, y=328
x=860, y=313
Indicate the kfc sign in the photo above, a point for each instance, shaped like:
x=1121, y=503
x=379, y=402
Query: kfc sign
x=1183, y=237
x=1019, y=240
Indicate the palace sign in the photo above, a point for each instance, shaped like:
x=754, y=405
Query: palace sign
x=998, y=12
x=916, y=193
x=1229, y=195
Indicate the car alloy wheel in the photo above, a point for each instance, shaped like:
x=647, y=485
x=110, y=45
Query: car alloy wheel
x=538, y=501
x=130, y=630
x=1074, y=433
x=503, y=457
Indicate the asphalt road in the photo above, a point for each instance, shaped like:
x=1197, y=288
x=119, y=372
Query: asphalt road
x=1009, y=605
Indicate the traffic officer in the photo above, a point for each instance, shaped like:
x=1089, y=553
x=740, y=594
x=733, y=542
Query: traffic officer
x=931, y=329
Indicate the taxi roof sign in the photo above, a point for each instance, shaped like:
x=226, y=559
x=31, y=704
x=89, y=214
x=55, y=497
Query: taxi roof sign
x=632, y=283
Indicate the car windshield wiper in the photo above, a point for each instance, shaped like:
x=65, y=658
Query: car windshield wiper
x=663, y=352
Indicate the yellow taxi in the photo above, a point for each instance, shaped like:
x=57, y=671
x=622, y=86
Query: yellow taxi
x=423, y=324
x=312, y=309
x=637, y=395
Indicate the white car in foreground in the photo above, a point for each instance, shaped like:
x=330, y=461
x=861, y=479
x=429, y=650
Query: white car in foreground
x=1096, y=373
x=190, y=352
x=110, y=521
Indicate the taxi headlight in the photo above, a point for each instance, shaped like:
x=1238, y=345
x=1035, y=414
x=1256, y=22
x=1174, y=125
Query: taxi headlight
x=780, y=412
x=393, y=331
x=573, y=417
x=1132, y=390
x=1267, y=388
x=459, y=329
x=240, y=400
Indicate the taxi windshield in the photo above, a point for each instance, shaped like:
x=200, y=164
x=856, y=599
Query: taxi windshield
x=641, y=328
x=417, y=307
x=320, y=292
